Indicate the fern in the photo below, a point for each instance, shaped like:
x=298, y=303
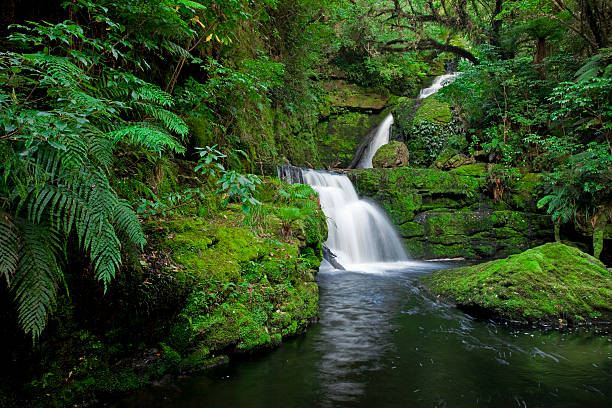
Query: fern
x=54, y=183
x=148, y=136
x=152, y=93
x=9, y=247
x=36, y=277
x=170, y=120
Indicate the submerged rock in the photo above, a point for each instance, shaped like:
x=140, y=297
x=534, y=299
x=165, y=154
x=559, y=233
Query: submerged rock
x=392, y=154
x=550, y=283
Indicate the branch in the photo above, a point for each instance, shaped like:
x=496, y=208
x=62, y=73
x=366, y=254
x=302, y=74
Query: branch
x=428, y=44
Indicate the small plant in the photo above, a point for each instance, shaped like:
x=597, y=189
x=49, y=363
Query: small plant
x=209, y=160
x=287, y=216
x=239, y=188
x=169, y=203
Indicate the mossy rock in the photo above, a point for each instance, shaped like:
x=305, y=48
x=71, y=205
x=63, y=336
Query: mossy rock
x=249, y=289
x=342, y=94
x=432, y=110
x=472, y=170
x=549, y=283
x=405, y=191
x=392, y=154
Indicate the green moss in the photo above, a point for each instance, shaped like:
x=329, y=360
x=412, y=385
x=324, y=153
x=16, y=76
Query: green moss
x=200, y=132
x=472, y=170
x=338, y=138
x=548, y=283
x=392, y=154
x=250, y=289
x=411, y=229
x=404, y=191
x=525, y=192
x=433, y=111
x=342, y=94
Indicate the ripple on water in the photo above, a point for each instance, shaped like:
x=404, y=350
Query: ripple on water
x=381, y=341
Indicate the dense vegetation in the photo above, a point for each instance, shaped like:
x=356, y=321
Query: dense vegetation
x=119, y=114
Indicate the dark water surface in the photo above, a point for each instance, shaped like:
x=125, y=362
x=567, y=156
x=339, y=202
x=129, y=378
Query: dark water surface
x=382, y=342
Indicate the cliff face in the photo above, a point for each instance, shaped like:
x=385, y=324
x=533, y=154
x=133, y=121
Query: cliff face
x=443, y=214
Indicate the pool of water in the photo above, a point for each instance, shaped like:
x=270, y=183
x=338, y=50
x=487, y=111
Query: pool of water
x=383, y=342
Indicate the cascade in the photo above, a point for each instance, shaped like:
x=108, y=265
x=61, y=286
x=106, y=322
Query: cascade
x=381, y=137
x=359, y=231
x=438, y=83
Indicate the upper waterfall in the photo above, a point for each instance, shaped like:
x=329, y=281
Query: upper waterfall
x=438, y=83
x=381, y=137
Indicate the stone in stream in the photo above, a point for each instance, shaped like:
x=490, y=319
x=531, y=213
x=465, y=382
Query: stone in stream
x=552, y=283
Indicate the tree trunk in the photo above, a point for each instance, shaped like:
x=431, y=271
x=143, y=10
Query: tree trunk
x=541, y=52
x=7, y=15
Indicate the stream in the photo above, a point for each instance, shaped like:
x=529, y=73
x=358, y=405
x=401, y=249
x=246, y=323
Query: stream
x=382, y=341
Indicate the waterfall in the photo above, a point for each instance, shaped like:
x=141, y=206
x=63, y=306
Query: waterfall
x=381, y=137
x=438, y=83
x=359, y=232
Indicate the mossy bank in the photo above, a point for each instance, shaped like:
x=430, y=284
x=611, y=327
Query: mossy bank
x=549, y=284
x=449, y=214
x=204, y=287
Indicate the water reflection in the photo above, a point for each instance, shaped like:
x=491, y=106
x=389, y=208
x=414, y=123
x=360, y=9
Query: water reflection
x=381, y=341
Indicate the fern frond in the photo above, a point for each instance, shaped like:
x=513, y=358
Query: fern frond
x=9, y=246
x=105, y=251
x=171, y=120
x=126, y=221
x=85, y=102
x=101, y=149
x=176, y=50
x=152, y=93
x=147, y=136
x=61, y=72
x=35, y=283
x=76, y=150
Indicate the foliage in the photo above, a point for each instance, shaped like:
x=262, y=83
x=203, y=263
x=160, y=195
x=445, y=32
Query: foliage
x=580, y=189
x=61, y=125
x=239, y=188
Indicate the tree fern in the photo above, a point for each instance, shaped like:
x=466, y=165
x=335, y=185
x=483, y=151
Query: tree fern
x=62, y=118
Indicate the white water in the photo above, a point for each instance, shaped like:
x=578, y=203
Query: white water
x=438, y=83
x=359, y=233
x=380, y=138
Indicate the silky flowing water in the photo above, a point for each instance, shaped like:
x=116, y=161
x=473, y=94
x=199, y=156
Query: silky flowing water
x=381, y=137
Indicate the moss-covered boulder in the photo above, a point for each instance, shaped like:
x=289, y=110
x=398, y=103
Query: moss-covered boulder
x=432, y=110
x=471, y=169
x=549, y=283
x=353, y=97
x=252, y=275
x=392, y=154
